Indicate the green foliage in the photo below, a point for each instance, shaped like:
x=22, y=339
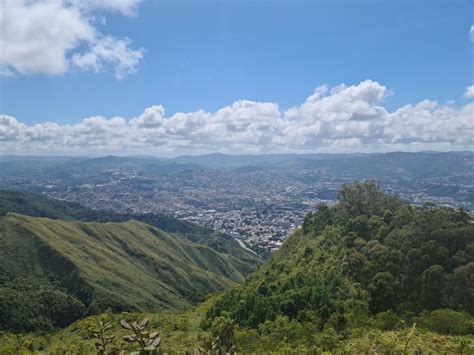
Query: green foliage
x=223, y=328
x=213, y=347
x=33, y=304
x=103, y=339
x=53, y=272
x=147, y=342
x=366, y=200
x=447, y=321
x=180, y=333
x=387, y=320
x=371, y=253
x=410, y=335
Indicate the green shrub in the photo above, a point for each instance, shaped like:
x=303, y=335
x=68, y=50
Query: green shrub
x=223, y=328
x=447, y=321
x=387, y=320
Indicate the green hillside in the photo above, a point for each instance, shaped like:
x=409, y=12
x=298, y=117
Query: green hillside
x=368, y=275
x=40, y=206
x=53, y=272
x=370, y=260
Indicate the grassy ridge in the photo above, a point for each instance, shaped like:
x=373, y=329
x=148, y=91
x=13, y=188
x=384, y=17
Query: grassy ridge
x=40, y=206
x=122, y=266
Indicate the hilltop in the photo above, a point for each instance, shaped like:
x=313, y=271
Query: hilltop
x=371, y=259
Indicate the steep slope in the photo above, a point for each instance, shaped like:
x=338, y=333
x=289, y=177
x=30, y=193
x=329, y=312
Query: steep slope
x=39, y=206
x=94, y=266
x=369, y=255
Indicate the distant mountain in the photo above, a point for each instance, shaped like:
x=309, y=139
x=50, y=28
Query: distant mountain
x=61, y=167
x=226, y=161
x=53, y=272
x=418, y=164
x=397, y=165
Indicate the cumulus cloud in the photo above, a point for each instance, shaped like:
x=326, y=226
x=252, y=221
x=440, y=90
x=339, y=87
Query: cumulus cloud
x=471, y=33
x=152, y=117
x=339, y=119
x=117, y=52
x=52, y=36
x=469, y=92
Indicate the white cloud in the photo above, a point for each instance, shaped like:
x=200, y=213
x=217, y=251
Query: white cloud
x=153, y=117
x=110, y=50
x=343, y=118
x=43, y=36
x=469, y=92
x=471, y=33
x=126, y=7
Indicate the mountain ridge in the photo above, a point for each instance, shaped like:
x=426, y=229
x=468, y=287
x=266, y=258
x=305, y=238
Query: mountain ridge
x=122, y=266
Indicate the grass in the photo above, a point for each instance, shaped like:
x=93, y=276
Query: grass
x=180, y=332
x=126, y=266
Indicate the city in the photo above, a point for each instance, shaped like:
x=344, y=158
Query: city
x=258, y=204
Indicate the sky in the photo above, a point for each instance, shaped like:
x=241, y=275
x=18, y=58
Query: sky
x=170, y=77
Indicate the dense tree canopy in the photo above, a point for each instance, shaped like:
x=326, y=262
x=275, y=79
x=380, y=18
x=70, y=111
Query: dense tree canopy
x=371, y=252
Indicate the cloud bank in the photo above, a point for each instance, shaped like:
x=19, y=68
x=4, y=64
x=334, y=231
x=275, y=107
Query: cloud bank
x=337, y=119
x=54, y=36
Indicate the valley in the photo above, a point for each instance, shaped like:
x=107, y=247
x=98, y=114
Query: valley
x=259, y=199
x=370, y=273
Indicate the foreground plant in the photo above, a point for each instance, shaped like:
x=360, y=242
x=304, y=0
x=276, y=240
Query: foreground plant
x=212, y=348
x=104, y=340
x=148, y=342
x=410, y=335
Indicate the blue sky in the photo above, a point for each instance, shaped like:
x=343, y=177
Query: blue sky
x=116, y=75
x=207, y=54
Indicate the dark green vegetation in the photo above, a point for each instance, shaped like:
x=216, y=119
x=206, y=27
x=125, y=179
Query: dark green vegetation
x=371, y=274
x=52, y=272
x=370, y=255
x=39, y=206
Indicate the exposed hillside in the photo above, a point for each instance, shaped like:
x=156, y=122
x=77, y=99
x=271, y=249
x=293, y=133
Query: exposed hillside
x=370, y=255
x=39, y=206
x=54, y=271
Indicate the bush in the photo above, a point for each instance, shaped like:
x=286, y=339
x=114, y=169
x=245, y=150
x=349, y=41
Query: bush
x=387, y=320
x=447, y=321
x=223, y=328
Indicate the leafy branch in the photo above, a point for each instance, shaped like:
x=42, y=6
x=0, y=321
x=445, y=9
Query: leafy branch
x=104, y=339
x=147, y=341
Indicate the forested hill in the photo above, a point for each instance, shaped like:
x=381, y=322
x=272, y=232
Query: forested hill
x=53, y=272
x=370, y=255
x=38, y=206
